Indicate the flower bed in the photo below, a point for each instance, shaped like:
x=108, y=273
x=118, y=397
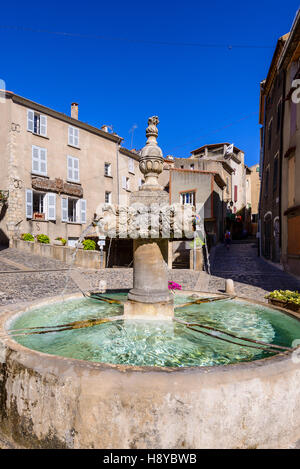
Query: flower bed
x=285, y=299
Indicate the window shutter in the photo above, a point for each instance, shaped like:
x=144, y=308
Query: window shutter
x=29, y=203
x=30, y=120
x=43, y=161
x=51, y=206
x=70, y=168
x=124, y=184
x=76, y=169
x=71, y=135
x=131, y=165
x=64, y=209
x=35, y=159
x=76, y=137
x=83, y=210
x=43, y=125
x=235, y=193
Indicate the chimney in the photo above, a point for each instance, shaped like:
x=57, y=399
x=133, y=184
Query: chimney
x=104, y=128
x=74, y=110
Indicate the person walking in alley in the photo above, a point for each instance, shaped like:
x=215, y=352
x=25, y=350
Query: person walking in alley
x=227, y=239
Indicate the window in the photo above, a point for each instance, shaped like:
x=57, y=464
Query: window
x=141, y=182
x=278, y=116
x=291, y=181
x=275, y=173
x=267, y=183
x=40, y=205
x=36, y=123
x=39, y=160
x=73, y=210
x=73, y=138
x=131, y=165
x=73, y=169
x=270, y=134
x=107, y=169
x=107, y=197
x=187, y=198
x=125, y=183
x=192, y=166
x=227, y=185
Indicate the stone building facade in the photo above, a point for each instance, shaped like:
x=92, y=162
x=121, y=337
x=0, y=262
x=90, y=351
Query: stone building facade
x=289, y=65
x=56, y=170
x=272, y=96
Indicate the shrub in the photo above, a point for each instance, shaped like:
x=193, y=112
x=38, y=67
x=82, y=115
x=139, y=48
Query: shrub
x=63, y=240
x=285, y=295
x=89, y=245
x=27, y=237
x=44, y=239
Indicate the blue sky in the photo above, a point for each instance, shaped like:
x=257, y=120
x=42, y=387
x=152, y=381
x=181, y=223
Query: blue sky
x=201, y=94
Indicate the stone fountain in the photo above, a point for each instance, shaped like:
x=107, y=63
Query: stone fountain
x=150, y=295
x=150, y=221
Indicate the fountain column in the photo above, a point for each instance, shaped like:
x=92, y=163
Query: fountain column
x=150, y=297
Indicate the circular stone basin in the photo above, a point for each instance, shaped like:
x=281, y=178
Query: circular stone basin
x=138, y=384
x=156, y=343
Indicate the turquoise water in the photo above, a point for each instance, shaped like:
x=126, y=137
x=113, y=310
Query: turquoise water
x=157, y=343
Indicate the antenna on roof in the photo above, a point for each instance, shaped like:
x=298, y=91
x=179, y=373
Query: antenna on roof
x=131, y=131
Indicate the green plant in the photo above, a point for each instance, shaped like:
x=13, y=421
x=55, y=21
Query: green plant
x=44, y=239
x=89, y=245
x=287, y=296
x=63, y=240
x=27, y=237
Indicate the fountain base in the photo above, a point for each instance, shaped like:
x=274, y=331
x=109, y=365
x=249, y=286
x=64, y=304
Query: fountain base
x=149, y=311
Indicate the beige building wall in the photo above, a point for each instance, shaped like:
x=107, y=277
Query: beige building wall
x=95, y=148
x=290, y=187
x=255, y=188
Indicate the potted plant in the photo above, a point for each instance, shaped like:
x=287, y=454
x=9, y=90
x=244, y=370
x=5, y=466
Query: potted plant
x=27, y=237
x=43, y=239
x=285, y=299
x=60, y=241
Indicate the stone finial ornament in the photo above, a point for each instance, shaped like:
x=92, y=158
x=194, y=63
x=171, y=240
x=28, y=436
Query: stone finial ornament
x=151, y=159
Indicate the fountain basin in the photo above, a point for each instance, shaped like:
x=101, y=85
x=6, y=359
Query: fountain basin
x=47, y=401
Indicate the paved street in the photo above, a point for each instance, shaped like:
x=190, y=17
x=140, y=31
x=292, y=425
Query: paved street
x=24, y=277
x=253, y=276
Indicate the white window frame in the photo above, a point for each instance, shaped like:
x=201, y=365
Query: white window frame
x=72, y=170
x=42, y=127
x=188, y=198
x=50, y=206
x=73, y=136
x=107, y=169
x=126, y=183
x=131, y=165
x=80, y=210
x=29, y=203
x=39, y=156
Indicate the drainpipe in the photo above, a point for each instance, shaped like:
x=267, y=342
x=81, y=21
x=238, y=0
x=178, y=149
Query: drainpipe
x=118, y=175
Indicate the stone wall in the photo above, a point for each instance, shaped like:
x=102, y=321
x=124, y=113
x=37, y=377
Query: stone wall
x=85, y=259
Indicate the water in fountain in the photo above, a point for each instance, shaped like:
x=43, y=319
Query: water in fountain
x=157, y=343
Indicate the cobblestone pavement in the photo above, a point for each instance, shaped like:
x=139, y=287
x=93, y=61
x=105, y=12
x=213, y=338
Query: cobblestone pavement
x=253, y=276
